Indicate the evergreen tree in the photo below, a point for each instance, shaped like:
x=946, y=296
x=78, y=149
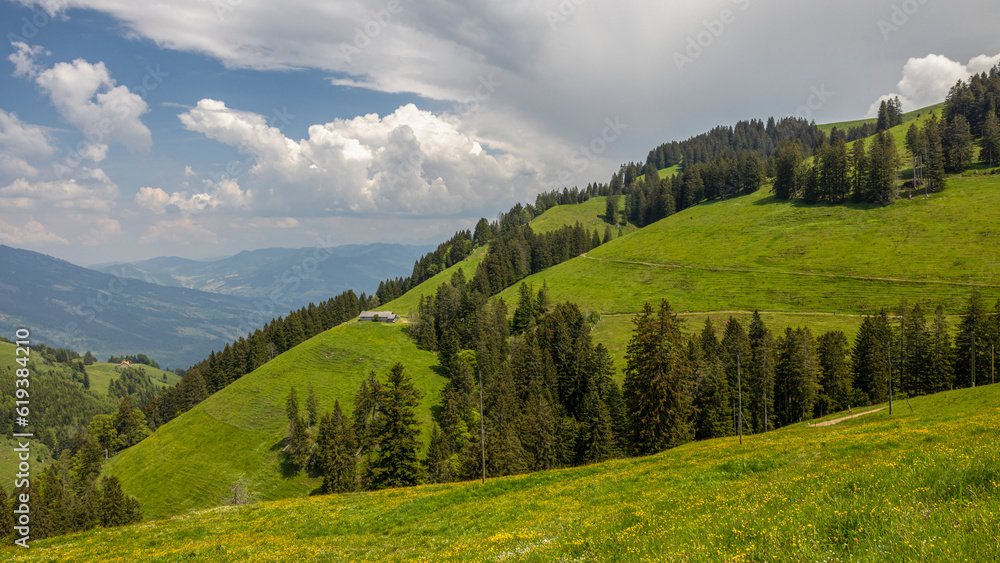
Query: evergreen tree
x=837, y=380
x=958, y=144
x=870, y=358
x=130, y=423
x=789, y=171
x=760, y=376
x=336, y=449
x=989, y=152
x=658, y=382
x=797, y=375
x=973, y=332
x=834, y=172
x=367, y=412
x=713, y=400
x=934, y=161
x=940, y=369
x=914, y=352
x=299, y=443
x=539, y=428
x=611, y=209
x=916, y=145
x=884, y=117
x=859, y=172
x=394, y=463
x=117, y=508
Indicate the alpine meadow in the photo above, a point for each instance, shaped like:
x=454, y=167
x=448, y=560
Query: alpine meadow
x=762, y=339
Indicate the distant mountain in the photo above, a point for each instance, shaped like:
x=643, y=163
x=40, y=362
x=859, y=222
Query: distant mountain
x=74, y=307
x=297, y=276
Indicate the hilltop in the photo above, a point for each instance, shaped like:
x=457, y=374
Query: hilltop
x=918, y=485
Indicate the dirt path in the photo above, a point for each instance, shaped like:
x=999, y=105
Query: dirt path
x=789, y=273
x=842, y=419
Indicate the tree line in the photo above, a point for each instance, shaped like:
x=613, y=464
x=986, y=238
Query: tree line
x=549, y=397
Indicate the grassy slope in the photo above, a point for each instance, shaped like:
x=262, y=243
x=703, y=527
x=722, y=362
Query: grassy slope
x=907, y=117
x=590, y=214
x=101, y=375
x=191, y=462
x=918, y=485
x=408, y=303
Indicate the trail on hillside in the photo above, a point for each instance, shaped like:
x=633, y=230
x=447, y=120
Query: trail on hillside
x=790, y=273
x=843, y=418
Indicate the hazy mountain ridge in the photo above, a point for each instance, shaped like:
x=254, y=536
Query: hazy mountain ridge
x=303, y=274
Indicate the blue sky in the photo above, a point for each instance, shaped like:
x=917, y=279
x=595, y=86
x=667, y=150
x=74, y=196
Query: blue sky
x=238, y=124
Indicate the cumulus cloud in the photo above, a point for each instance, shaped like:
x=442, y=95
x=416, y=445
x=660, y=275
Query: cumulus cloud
x=30, y=233
x=99, y=229
x=408, y=162
x=90, y=190
x=23, y=58
x=224, y=194
x=178, y=231
x=927, y=80
x=87, y=97
x=20, y=143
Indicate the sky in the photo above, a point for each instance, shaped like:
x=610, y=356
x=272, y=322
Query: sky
x=201, y=128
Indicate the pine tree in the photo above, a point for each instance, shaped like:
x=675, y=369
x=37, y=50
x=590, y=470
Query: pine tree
x=989, y=152
x=958, y=144
x=117, y=508
x=884, y=118
x=713, y=400
x=870, y=358
x=760, y=376
x=611, y=209
x=367, y=412
x=539, y=428
x=394, y=463
x=596, y=439
x=973, y=331
x=859, y=172
x=658, y=382
x=837, y=380
x=913, y=364
x=797, y=375
x=934, y=161
x=789, y=171
x=336, y=449
x=299, y=443
x=940, y=369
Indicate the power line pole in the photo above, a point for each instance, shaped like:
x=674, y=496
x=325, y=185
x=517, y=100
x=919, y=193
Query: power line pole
x=482, y=427
x=739, y=384
x=890, y=378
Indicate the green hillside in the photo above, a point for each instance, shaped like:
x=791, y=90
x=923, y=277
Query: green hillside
x=235, y=434
x=907, y=117
x=101, y=375
x=407, y=304
x=920, y=485
x=590, y=214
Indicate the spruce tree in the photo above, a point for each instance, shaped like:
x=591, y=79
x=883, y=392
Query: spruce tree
x=760, y=376
x=336, y=450
x=934, y=161
x=394, y=463
x=940, y=361
x=299, y=443
x=539, y=428
x=958, y=144
x=596, y=439
x=837, y=380
x=914, y=364
x=658, y=389
x=870, y=358
x=713, y=400
x=973, y=331
x=989, y=152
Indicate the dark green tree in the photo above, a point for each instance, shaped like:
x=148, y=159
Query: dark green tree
x=760, y=376
x=837, y=380
x=989, y=144
x=940, y=356
x=658, y=389
x=870, y=358
x=394, y=463
x=312, y=407
x=336, y=448
x=117, y=508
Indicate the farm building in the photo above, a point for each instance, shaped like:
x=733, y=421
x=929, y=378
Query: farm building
x=380, y=316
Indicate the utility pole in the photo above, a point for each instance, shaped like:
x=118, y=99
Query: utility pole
x=902, y=339
x=482, y=427
x=890, y=379
x=739, y=384
x=973, y=359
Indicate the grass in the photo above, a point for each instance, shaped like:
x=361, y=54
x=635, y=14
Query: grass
x=408, y=303
x=907, y=117
x=590, y=214
x=236, y=434
x=916, y=486
x=101, y=375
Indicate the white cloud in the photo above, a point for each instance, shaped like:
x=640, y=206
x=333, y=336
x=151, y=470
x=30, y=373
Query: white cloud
x=87, y=97
x=100, y=229
x=178, y=231
x=29, y=234
x=188, y=171
x=90, y=190
x=20, y=143
x=408, y=162
x=927, y=80
x=23, y=58
x=225, y=194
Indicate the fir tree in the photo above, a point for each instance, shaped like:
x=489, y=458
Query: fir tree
x=989, y=152
x=914, y=365
x=934, y=161
x=713, y=402
x=870, y=358
x=837, y=380
x=940, y=369
x=336, y=449
x=760, y=375
x=973, y=331
x=299, y=443
x=394, y=463
x=658, y=382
